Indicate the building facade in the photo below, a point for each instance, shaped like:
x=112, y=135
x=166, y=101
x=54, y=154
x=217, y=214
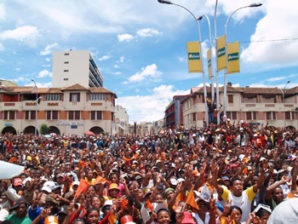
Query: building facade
x=72, y=110
x=174, y=112
x=254, y=105
x=122, y=120
x=75, y=66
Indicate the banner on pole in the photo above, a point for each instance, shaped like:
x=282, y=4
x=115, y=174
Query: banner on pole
x=194, y=57
x=233, y=57
x=209, y=63
x=221, y=52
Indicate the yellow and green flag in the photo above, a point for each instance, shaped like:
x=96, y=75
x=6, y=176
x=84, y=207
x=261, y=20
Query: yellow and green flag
x=233, y=57
x=194, y=57
x=221, y=52
x=209, y=63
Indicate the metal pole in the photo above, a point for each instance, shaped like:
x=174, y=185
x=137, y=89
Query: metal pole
x=210, y=43
x=226, y=52
x=217, y=87
x=203, y=70
x=36, y=106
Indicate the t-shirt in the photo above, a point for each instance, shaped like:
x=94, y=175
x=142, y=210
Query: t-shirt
x=17, y=220
x=243, y=202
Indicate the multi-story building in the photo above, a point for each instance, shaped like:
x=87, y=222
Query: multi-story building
x=75, y=66
x=174, y=112
x=255, y=105
x=122, y=120
x=71, y=110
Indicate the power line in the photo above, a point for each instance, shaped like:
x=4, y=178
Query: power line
x=273, y=40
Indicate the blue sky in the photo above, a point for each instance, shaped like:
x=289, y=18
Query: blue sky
x=140, y=45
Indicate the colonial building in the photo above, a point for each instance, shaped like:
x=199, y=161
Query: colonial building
x=257, y=105
x=71, y=110
x=174, y=112
x=122, y=120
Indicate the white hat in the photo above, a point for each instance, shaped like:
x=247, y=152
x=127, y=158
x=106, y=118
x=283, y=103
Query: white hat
x=180, y=180
x=173, y=181
x=108, y=202
x=47, y=189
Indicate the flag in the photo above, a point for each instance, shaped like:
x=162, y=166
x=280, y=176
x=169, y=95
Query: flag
x=190, y=200
x=82, y=188
x=100, y=180
x=233, y=57
x=194, y=57
x=221, y=52
x=209, y=63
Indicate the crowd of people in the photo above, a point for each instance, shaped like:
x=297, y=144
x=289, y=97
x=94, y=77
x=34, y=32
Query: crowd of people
x=230, y=173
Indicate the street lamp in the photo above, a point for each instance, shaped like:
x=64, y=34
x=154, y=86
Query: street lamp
x=35, y=87
x=254, y=5
x=200, y=41
x=283, y=99
x=210, y=43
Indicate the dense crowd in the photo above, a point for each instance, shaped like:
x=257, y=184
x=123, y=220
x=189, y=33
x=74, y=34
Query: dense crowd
x=232, y=173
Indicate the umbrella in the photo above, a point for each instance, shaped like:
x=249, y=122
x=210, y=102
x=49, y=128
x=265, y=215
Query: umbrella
x=89, y=133
x=47, y=136
x=9, y=170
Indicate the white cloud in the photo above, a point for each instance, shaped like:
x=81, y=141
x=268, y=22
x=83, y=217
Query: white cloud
x=121, y=60
x=116, y=66
x=103, y=58
x=276, y=79
x=275, y=53
x=150, y=71
x=2, y=12
x=44, y=85
x=117, y=73
x=19, y=79
x=125, y=37
x=44, y=73
x=148, y=32
x=24, y=33
x=1, y=47
x=48, y=59
x=150, y=107
x=48, y=49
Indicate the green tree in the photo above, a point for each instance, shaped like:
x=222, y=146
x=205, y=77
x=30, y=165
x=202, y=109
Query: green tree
x=44, y=129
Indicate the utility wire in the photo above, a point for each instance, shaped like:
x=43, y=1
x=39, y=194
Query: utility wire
x=276, y=40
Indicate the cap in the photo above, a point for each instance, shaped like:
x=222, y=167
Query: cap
x=114, y=186
x=47, y=189
x=51, y=220
x=187, y=218
x=127, y=219
x=173, y=181
x=19, y=202
x=225, y=178
x=169, y=189
x=17, y=182
x=108, y=203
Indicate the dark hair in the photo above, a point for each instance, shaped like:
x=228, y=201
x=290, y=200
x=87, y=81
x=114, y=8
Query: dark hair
x=78, y=220
x=162, y=210
x=234, y=207
x=235, y=179
x=91, y=210
x=262, y=212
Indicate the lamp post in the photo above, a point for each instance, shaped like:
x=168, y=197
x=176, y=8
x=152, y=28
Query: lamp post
x=254, y=5
x=200, y=40
x=210, y=43
x=283, y=99
x=35, y=87
x=217, y=87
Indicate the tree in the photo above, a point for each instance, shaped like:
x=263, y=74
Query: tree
x=44, y=129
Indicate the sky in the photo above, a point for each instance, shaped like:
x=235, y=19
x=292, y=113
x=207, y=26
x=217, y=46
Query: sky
x=140, y=45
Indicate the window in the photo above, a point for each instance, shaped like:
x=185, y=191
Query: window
x=234, y=115
x=194, y=117
x=32, y=115
x=70, y=115
x=96, y=115
x=53, y=97
x=270, y=115
x=66, y=70
x=5, y=115
x=66, y=62
x=230, y=98
x=9, y=115
x=65, y=79
x=77, y=115
x=288, y=115
x=251, y=115
x=52, y=115
x=74, y=97
x=96, y=96
x=66, y=53
x=112, y=116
